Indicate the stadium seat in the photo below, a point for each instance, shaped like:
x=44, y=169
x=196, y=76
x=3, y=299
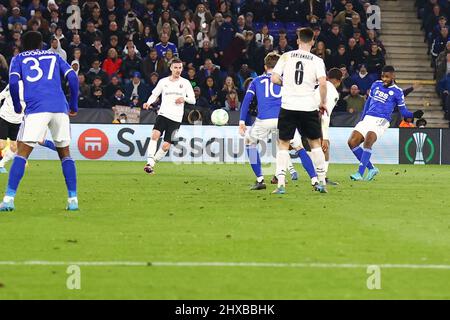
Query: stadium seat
x=257, y=26
x=274, y=27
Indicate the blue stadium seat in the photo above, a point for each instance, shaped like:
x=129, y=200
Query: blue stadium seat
x=274, y=27
x=257, y=26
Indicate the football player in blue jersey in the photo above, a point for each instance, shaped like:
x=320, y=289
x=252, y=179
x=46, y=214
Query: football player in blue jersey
x=41, y=72
x=375, y=119
x=268, y=96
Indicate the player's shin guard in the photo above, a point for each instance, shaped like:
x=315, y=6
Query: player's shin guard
x=282, y=162
x=160, y=154
x=49, y=144
x=255, y=160
x=318, y=158
x=70, y=175
x=365, y=159
x=307, y=163
x=358, y=152
x=15, y=175
x=151, y=152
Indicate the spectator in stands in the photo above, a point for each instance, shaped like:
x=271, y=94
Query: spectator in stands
x=346, y=81
x=172, y=23
x=228, y=87
x=283, y=46
x=209, y=69
x=213, y=29
x=188, y=22
x=17, y=18
x=355, y=24
x=192, y=77
x=263, y=34
x=375, y=61
x=202, y=105
x=363, y=80
x=232, y=101
x=327, y=23
x=225, y=35
x=95, y=71
x=321, y=51
x=154, y=78
x=188, y=51
x=260, y=55
x=77, y=44
x=341, y=57
x=206, y=52
x=118, y=99
x=251, y=48
x=244, y=73
x=439, y=44
x=112, y=63
x=345, y=16
x=137, y=88
x=130, y=64
x=165, y=45
x=355, y=55
x=132, y=24
x=443, y=63
x=96, y=50
x=444, y=89
x=111, y=87
x=201, y=16
x=113, y=30
x=359, y=38
x=249, y=21
x=84, y=91
x=152, y=63
x=80, y=58
x=3, y=67
x=335, y=38
x=210, y=92
x=91, y=34
x=372, y=38
x=98, y=100
x=56, y=48
x=240, y=24
x=314, y=11
x=421, y=123
x=431, y=22
x=354, y=101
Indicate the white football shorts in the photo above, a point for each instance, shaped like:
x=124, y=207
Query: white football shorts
x=374, y=124
x=34, y=128
x=262, y=129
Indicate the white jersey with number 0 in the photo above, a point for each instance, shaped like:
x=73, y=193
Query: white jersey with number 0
x=7, y=110
x=300, y=71
x=332, y=99
x=170, y=91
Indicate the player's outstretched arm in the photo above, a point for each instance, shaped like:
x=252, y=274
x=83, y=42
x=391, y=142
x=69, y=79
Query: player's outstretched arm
x=154, y=96
x=74, y=85
x=14, y=91
x=190, y=95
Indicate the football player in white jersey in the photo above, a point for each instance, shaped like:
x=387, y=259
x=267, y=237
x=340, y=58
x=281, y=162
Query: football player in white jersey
x=175, y=92
x=298, y=72
x=9, y=125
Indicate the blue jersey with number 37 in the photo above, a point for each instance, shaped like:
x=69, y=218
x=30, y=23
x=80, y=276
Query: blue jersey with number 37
x=268, y=96
x=41, y=72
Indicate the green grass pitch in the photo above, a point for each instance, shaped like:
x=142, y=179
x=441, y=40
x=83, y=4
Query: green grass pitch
x=205, y=213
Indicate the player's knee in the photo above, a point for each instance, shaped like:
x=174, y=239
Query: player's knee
x=156, y=135
x=13, y=147
x=2, y=144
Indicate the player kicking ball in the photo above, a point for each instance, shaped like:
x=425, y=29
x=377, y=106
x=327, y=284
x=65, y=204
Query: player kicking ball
x=268, y=97
x=298, y=72
x=375, y=119
x=175, y=91
x=41, y=72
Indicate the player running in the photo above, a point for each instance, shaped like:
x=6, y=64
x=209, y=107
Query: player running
x=175, y=91
x=46, y=108
x=268, y=98
x=301, y=71
x=375, y=119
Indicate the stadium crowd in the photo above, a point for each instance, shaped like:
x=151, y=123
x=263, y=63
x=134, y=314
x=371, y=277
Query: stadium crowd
x=121, y=48
x=434, y=15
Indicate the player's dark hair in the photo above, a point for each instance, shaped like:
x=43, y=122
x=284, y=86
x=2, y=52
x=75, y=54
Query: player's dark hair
x=175, y=60
x=271, y=60
x=32, y=40
x=388, y=69
x=305, y=35
x=335, y=73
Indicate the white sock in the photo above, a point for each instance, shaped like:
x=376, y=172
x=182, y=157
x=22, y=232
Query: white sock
x=160, y=154
x=73, y=199
x=9, y=155
x=7, y=198
x=151, y=152
x=325, y=167
x=282, y=163
x=290, y=166
x=318, y=159
x=260, y=179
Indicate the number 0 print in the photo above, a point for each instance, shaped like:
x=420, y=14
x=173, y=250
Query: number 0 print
x=299, y=73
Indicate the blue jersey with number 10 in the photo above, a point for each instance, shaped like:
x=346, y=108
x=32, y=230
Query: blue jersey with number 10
x=268, y=96
x=41, y=72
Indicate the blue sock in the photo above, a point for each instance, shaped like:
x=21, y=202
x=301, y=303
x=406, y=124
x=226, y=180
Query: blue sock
x=49, y=144
x=358, y=152
x=255, y=161
x=365, y=158
x=307, y=163
x=70, y=174
x=15, y=175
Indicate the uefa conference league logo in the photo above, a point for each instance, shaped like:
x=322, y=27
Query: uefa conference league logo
x=420, y=138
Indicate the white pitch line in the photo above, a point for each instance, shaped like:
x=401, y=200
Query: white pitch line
x=223, y=264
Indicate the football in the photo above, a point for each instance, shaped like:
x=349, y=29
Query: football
x=219, y=117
